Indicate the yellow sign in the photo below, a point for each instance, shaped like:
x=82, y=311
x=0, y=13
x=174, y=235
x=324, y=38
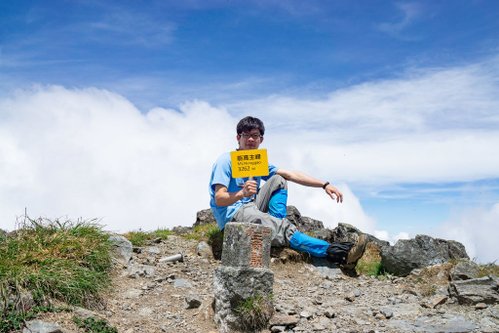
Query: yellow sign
x=249, y=163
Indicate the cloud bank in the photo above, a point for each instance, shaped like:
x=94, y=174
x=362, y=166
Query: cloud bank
x=476, y=229
x=91, y=153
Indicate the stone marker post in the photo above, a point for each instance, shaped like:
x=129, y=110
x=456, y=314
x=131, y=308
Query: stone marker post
x=243, y=284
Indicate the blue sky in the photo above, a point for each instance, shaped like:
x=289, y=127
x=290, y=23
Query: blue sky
x=117, y=109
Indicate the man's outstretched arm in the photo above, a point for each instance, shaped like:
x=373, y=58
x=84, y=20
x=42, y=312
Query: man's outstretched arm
x=225, y=198
x=306, y=180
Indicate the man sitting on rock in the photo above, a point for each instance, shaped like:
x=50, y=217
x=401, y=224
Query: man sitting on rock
x=243, y=200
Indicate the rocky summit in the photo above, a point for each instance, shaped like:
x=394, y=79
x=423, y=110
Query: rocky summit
x=167, y=286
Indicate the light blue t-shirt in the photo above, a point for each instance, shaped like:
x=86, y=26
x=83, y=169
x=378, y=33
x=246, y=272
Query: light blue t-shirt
x=222, y=174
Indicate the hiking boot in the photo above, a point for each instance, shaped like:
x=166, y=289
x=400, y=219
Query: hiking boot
x=356, y=251
x=337, y=252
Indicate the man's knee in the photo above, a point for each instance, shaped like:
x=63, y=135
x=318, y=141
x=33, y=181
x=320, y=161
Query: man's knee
x=279, y=181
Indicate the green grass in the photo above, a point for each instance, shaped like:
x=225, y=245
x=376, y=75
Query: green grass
x=92, y=325
x=373, y=268
x=370, y=263
x=209, y=233
x=51, y=260
x=254, y=312
x=141, y=238
x=203, y=232
x=206, y=232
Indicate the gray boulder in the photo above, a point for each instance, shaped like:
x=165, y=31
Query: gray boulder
x=474, y=291
x=434, y=324
x=232, y=287
x=204, y=250
x=422, y=251
x=303, y=223
x=122, y=249
x=203, y=217
x=139, y=270
x=192, y=301
x=181, y=230
x=345, y=232
x=464, y=270
x=38, y=326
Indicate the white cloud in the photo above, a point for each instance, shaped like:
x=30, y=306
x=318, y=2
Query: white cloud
x=410, y=13
x=430, y=126
x=476, y=229
x=392, y=239
x=91, y=153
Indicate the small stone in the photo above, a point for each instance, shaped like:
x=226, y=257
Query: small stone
x=203, y=250
x=277, y=329
x=132, y=293
x=305, y=314
x=182, y=283
x=153, y=250
x=437, y=300
x=192, y=301
x=329, y=312
x=319, y=327
x=481, y=306
x=284, y=320
x=387, y=313
x=318, y=300
x=146, y=312
x=84, y=313
x=41, y=327
x=379, y=316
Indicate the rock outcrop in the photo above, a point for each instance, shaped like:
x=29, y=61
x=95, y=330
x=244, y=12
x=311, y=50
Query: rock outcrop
x=203, y=217
x=303, y=223
x=122, y=249
x=475, y=291
x=400, y=259
x=423, y=251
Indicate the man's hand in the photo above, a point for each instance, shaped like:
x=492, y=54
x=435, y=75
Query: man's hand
x=249, y=188
x=334, y=193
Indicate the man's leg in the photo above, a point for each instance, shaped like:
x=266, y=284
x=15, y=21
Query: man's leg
x=272, y=197
x=269, y=209
x=282, y=230
x=285, y=234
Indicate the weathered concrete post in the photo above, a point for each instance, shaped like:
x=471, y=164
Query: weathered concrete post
x=243, y=284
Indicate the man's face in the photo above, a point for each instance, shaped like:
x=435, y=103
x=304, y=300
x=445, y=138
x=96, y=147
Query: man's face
x=249, y=140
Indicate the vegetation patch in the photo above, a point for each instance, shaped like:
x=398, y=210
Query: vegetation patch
x=370, y=263
x=488, y=270
x=255, y=312
x=209, y=233
x=48, y=260
x=93, y=325
x=141, y=238
x=204, y=232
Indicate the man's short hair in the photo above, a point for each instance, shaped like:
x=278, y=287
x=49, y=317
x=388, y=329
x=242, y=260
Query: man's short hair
x=250, y=123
